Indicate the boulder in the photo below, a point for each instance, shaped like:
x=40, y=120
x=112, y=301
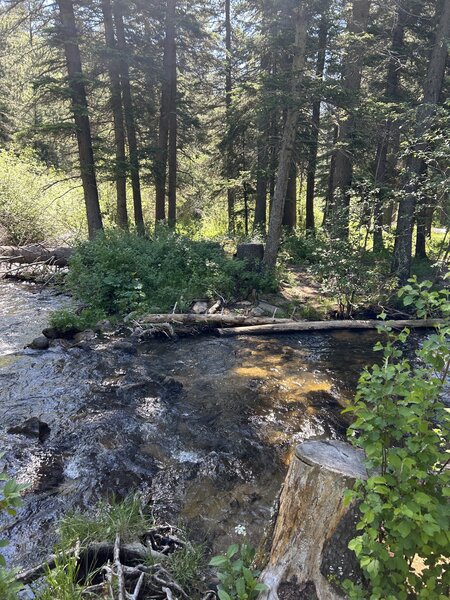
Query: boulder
x=39, y=343
x=32, y=428
x=252, y=253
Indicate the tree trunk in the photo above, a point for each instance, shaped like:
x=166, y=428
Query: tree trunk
x=381, y=161
x=173, y=124
x=80, y=111
x=262, y=161
x=432, y=89
x=314, y=526
x=288, y=141
x=120, y=168
x=343, y=159
x=315, y=125
x=290, y=204
x=129, y=117
x=231, y=194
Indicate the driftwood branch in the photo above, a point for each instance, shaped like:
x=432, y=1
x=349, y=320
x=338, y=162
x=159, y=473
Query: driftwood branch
x=35, y=253
x=209, y=320
x=298, y=326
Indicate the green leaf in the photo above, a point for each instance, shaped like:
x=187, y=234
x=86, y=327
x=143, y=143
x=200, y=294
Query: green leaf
x=218, y=561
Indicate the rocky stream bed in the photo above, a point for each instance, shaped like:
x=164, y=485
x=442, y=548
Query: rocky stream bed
x=203, y=428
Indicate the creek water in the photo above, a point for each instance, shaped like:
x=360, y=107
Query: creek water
x=203, y=427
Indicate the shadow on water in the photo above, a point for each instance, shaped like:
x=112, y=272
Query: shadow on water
x=203, y=428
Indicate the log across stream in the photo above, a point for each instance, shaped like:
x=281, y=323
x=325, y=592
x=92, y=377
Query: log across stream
x=203, y=428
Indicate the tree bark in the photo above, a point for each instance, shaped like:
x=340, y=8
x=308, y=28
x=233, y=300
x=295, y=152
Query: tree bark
x=288, y=141
x=80, y=111
x=129, y=115
x=296, y=326
x=120, y=168
x=314, y=526
x=432, y=89
x=231, y=194
x=343, y=159
x=315, y=125
x=391, y=94
x=262, y=161
x=290, y=204
x=173, y=124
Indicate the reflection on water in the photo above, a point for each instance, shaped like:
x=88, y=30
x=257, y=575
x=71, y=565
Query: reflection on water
x=203, y=427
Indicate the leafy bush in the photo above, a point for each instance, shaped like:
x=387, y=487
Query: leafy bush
x=238, y=581
x=36, y=202
x=65, y=320
x=300, y=248
x=351, y=275
x=118, y=273
x=10, y=500
x=403, y=427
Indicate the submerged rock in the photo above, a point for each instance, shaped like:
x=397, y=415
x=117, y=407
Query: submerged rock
x=39, y=343
x=32, y=428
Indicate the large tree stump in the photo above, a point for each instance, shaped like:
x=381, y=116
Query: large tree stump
x=308, y=553
x=252, y=253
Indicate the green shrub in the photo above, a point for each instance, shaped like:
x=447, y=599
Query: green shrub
x=300, y=248
x=65, y=320
x=238, y=581
x=10, y=500
x=403, y=427
x=118, y=273
x=36, y=202
x=351, y=275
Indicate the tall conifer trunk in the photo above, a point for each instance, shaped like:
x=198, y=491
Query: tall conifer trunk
x=315, y=126
x=414, y=168
x=391, y=94
x=289, y=134
x=343, y=160
x=80, y=111
x=130, y=121
x=120, y=168
x=231, y=194
x=172, y=75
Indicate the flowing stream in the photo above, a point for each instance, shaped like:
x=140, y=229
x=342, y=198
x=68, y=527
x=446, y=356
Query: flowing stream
x=203, y=428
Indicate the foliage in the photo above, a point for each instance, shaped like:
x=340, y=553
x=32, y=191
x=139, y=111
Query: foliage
x=10, y=501
x=37, y=203
x=237, y=579
x=118, y=273
x=402, y=425
x=185, y=564
x=9, y=588
x=65, y=320
x=60, y=583
x=125, y=517
x=299, y=248
x=351, y=275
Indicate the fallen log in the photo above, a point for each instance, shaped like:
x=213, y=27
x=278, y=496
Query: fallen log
x=288, y=326
x=308, y=550
x=35, y=253
x=215, y=320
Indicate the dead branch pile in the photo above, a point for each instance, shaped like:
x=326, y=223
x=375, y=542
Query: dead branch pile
x=124, y=571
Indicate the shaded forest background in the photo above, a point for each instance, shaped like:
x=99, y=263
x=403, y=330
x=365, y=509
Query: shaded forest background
x=331, y=116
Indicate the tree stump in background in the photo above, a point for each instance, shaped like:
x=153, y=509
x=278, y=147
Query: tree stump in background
x=307, y=553
x=251, y=253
